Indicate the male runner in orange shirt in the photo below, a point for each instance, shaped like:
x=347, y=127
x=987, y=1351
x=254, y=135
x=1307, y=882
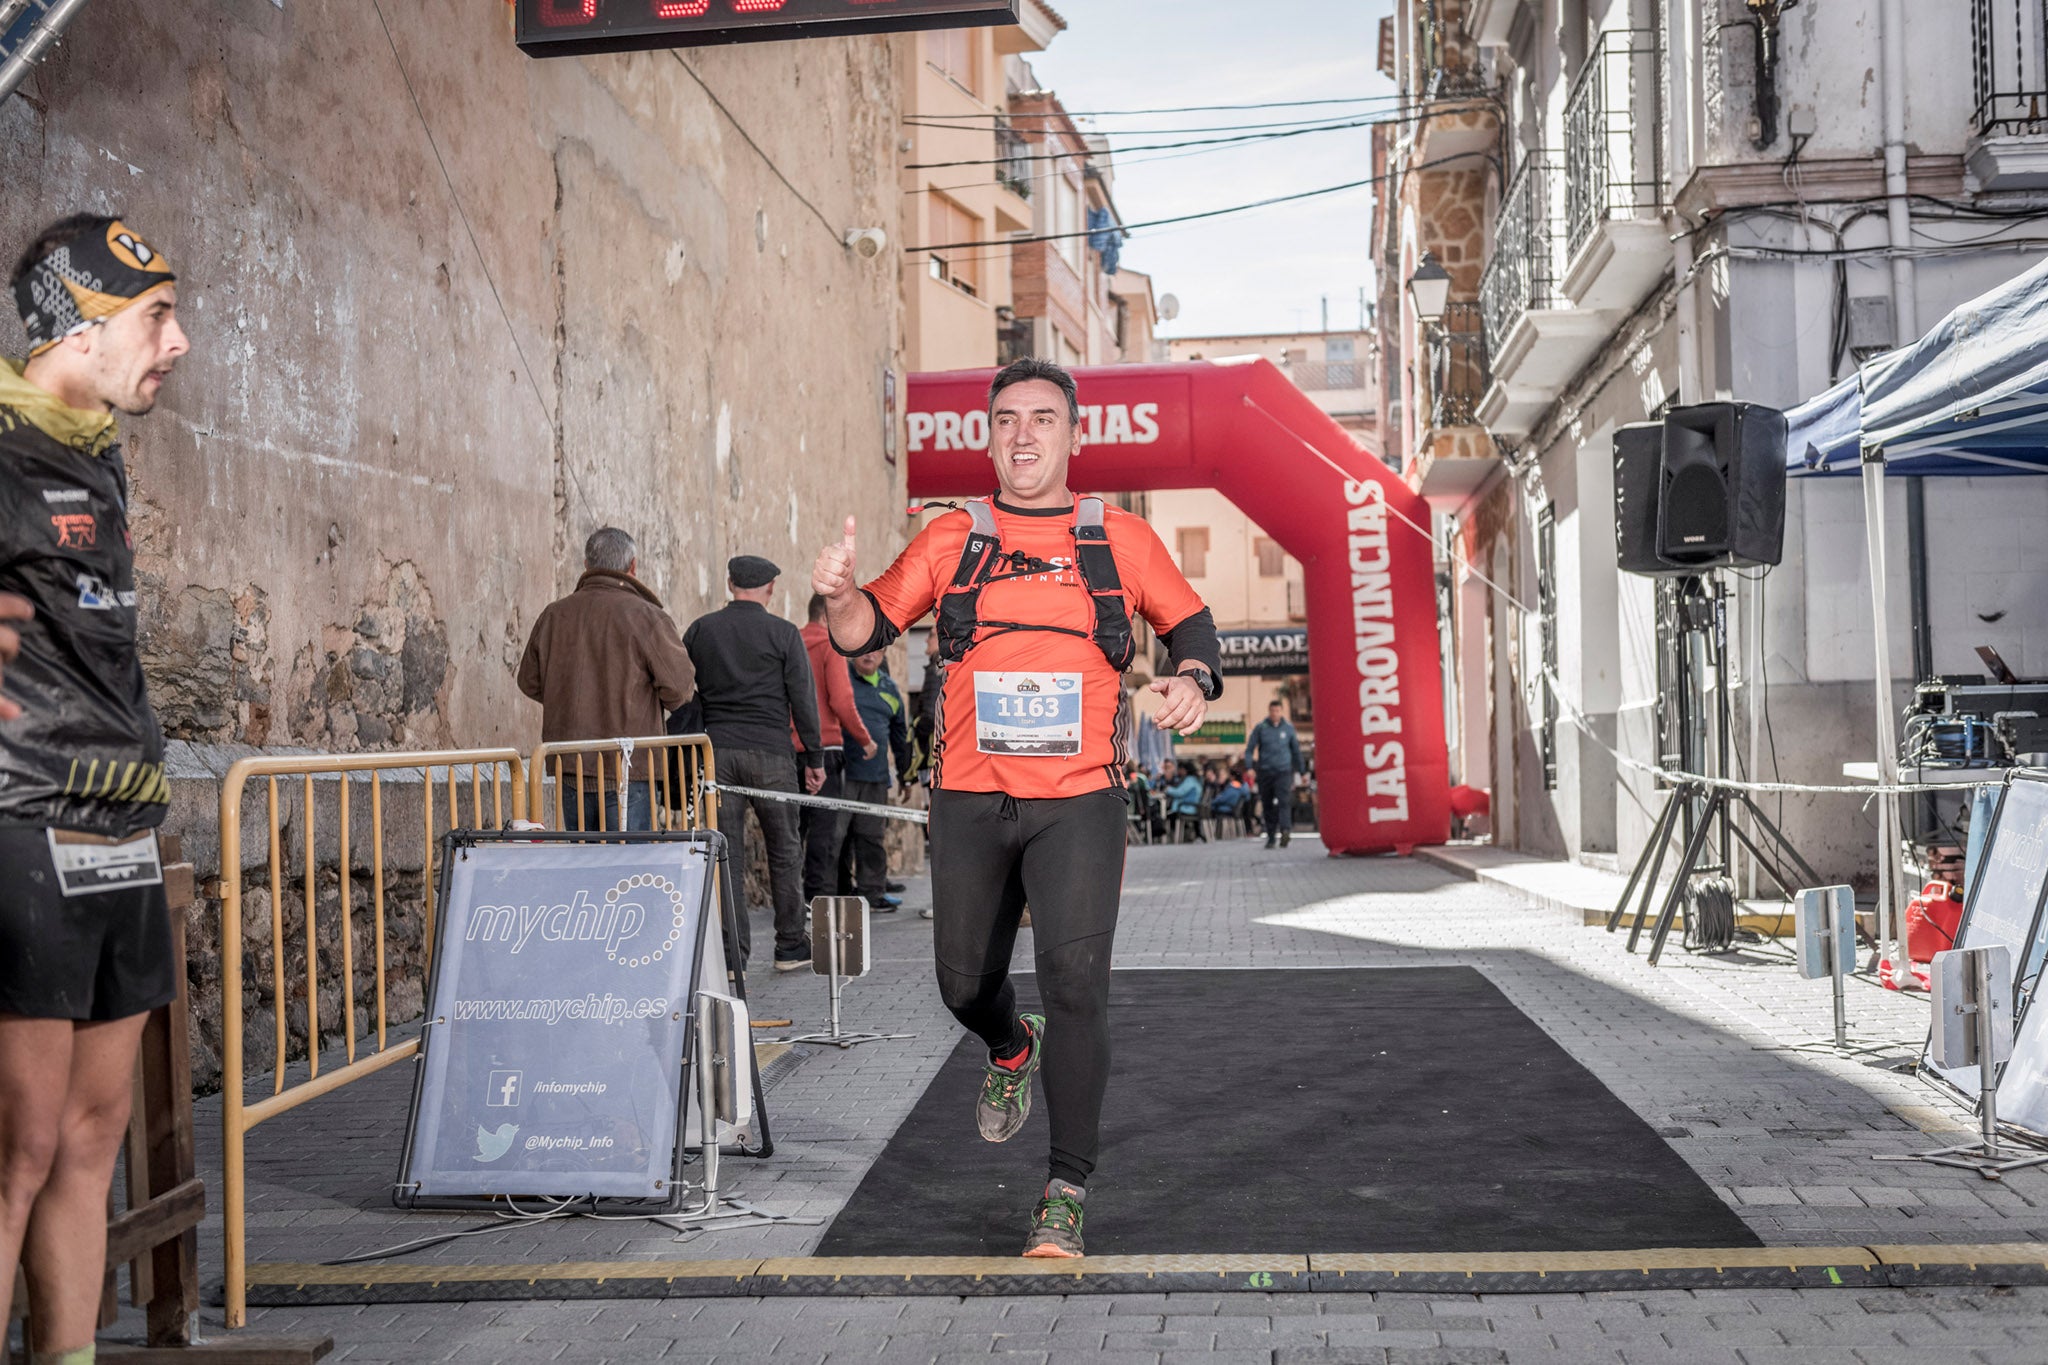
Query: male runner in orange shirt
x=1034, y=592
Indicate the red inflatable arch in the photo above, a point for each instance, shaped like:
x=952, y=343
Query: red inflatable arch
x=1243, y=429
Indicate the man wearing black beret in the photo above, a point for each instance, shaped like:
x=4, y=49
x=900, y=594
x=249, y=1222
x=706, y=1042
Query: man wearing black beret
x=754, y=680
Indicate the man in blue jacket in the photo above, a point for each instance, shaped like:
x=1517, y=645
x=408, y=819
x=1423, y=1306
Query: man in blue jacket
x=1274, y=752
x=867, y=778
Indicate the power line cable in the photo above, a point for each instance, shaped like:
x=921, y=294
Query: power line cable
x=1208, y=213
x=748, y=138
x=455, y=197
x=945, y=124
x=1086, y=154
x=1187, y=108
x=1122, y=162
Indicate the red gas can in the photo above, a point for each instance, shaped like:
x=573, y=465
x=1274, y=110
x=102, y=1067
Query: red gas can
x=1931, y=920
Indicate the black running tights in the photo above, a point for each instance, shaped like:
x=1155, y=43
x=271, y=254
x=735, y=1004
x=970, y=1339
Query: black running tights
x=992, y=855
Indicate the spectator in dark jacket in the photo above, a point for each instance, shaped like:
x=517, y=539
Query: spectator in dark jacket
x=867, y=777
x=754, y=676
x=844, y=734
x=605, y=662
x=1274, y=752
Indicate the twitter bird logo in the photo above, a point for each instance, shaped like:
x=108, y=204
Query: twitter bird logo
x=492, y=1145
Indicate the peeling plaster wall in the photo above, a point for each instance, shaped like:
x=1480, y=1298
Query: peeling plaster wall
x=452, y=309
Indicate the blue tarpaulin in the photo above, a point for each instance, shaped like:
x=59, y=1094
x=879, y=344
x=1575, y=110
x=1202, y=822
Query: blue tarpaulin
x=1969, y=398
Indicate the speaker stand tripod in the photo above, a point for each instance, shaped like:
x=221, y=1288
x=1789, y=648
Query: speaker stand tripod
x=1698, y=813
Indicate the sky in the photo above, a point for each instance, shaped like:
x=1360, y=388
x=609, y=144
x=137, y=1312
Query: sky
x=1269, y=269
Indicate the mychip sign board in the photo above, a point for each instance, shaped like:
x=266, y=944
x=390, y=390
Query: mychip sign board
x=557, y=28
x=2004, y=909
x=559, y=1020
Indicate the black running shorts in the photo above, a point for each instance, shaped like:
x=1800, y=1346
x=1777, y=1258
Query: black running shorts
x=103, y=955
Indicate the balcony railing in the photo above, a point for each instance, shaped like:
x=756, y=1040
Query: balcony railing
x=1450, y=59
x=2009, y=62
x=1013, y=164
x=1613, y=135
x=1458, y=372
x=1523, y=272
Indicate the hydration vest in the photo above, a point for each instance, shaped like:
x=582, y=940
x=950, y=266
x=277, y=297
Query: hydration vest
x=959, y=615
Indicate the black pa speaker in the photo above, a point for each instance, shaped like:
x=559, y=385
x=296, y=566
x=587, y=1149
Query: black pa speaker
x=1721, y=491
x=1638, y=472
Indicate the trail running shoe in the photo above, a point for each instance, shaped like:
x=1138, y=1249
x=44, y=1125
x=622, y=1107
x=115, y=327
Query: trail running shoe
x=1006, y=1095
x=1056, y=1223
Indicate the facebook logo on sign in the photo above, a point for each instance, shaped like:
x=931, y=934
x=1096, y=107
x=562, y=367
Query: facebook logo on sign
x=503, y=1090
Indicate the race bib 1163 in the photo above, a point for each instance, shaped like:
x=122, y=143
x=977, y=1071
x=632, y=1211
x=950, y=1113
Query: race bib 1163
x=1030, y=714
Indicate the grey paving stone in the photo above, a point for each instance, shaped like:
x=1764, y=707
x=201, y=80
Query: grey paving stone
x=1785, y=1137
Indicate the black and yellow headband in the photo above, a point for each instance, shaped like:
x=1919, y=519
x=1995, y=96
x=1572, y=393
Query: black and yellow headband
x=90, y=278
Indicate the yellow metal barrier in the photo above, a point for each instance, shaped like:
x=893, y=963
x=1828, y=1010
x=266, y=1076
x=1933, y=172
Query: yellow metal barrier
x=600, y=768
x=489, y=808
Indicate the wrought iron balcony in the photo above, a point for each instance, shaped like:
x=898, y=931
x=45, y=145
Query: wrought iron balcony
x=1523, y=271
x=2009, y=65
x=1450, y=59
x=1458, y=373
x=1613, y=136
x=1013, y=164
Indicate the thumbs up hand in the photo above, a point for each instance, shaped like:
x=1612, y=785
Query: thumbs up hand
x=832, y=575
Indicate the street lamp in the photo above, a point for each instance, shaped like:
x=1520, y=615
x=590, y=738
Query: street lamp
x=1429, y=288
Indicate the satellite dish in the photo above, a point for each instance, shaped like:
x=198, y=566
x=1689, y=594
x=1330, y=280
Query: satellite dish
x=1169, y=307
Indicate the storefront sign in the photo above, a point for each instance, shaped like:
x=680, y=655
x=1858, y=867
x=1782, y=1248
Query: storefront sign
x=1264, y=651
x=1223, y=729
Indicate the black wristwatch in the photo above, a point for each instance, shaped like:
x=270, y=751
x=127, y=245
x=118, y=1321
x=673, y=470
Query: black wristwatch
x=1210, y=685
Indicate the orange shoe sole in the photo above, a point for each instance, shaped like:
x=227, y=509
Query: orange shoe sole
x=1051, y=1252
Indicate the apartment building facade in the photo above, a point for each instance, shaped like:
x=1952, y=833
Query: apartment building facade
x=1635, y=204
x=1252, y=586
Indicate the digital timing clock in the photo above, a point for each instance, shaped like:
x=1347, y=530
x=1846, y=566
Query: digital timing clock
x=560, y=28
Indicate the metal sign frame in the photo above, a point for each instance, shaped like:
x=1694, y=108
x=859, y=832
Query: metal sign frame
x=538, y=39
x=404, y=1191
x=2030, y=949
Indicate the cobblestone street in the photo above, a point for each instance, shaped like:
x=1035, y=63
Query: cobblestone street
x=1694, y=1046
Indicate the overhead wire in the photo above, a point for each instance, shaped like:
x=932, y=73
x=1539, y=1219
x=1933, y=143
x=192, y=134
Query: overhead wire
x=1207, y=213
x=944, y=124
x=1187, y=108
x=1084, y=154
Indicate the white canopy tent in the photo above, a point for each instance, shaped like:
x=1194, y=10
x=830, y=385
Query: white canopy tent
x=1970, y=398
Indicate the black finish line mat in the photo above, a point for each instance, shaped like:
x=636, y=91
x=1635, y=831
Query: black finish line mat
x=1380, y=1109
x=1581, y=1272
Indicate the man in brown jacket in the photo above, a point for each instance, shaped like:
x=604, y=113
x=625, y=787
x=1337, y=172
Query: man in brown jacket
x=605, y=662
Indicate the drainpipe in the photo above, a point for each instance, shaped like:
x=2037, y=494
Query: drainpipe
x=42, y=35
x=1684, y=141
x=1898, y=213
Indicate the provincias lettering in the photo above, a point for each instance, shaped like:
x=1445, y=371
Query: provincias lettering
x=1378, y=661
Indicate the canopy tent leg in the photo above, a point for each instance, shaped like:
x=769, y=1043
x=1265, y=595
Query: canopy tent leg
x=1888, y=870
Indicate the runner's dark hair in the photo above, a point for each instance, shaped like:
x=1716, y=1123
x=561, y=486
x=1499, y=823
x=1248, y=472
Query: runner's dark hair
x=1029, y=368
x=56, y=235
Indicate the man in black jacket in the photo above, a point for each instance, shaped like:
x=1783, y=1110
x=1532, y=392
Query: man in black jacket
x=754, y=680
x=85, y=938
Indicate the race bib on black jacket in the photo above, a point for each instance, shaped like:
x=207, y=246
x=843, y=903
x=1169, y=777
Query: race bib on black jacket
x=87, y=753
